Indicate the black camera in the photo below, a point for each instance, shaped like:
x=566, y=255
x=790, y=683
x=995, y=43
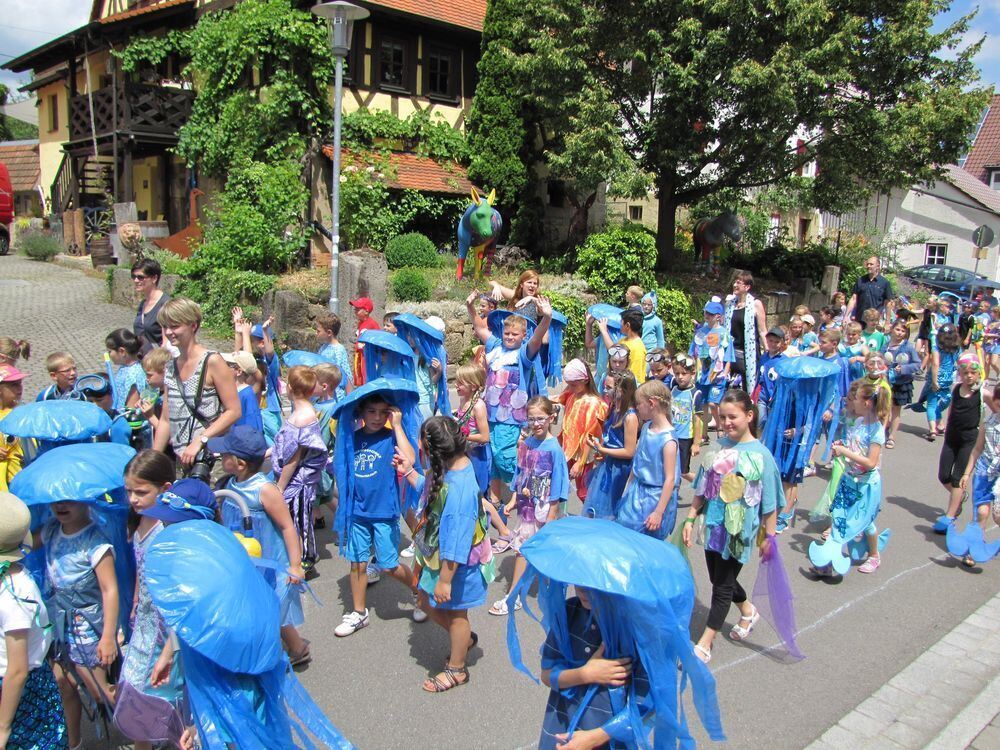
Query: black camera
x=202, y=466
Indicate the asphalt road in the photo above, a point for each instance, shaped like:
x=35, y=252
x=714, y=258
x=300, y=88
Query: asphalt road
x=856, y=634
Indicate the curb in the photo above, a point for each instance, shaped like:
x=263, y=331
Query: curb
x=964, y=728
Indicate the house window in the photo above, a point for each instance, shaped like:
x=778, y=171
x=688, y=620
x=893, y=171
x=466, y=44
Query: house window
x=392, y=68
x=442, y=73
x=936, y=254
x=53, y=112
x=995, y=179
x=635, y=213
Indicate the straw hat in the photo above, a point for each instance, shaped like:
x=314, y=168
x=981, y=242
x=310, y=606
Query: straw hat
x=15, y=520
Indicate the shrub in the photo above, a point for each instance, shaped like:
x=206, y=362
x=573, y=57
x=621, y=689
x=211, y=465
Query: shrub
x=575, y=311
x=38, y=246
x=412, y=249
x=410, y=285
x=674, y=308
x=221, y=289
x=612, y=261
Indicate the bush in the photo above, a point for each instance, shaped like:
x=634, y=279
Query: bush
x=412, y=249
x=38, y=246
x=221, y=289
x=575, y=311
x=612, y=261
x=410, y=285
x=674, y=308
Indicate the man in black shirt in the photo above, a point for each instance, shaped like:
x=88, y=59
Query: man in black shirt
x=872, y=290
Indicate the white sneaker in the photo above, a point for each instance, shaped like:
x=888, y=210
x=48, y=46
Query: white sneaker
x=374, y=575
x=409, y=551
x=809, y=470
x=352, y=623
x=418, y=614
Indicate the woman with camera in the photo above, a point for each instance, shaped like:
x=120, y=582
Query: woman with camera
x=201, y=399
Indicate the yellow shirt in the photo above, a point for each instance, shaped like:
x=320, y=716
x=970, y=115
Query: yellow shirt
x=636, y=357
x=10, y=465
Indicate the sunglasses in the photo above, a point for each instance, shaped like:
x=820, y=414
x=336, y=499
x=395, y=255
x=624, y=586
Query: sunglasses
x=139, y=277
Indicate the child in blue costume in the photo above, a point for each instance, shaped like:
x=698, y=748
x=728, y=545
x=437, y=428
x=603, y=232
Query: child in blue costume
x=737, y=490
x=370, y=497
x=540, y=483
x=616, y=448
x=257, y=340
x=904, y=363
x=853, y=348
x=453, y=549
x=652, y=326
x=330, y=349
x=510, y=364
x=470, y=382
x=981, y=478
x=611, y=683
x=946, y=349
x=124, y=349
x=242, y=450
x=775, y=343
x=328, y=380
x=858, y=496
x=240, y=689
x=685, y=403
x=829, y=341
x=712, y=346
x=613, y=316
x=801, y=341
x=427, y=339
x=244, y=368
x=649, y=503
x=147, y=476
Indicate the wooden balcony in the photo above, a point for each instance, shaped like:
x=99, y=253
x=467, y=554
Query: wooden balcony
x=141, y=112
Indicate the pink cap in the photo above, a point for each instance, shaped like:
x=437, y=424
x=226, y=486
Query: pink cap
x=10, y=374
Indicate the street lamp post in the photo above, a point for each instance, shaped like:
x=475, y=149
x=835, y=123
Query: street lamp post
x=341, y=16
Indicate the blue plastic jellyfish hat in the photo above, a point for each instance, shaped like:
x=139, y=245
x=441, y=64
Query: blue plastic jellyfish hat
x=62, y=421
x=552, y=352
x=428, y=341
x=614, y=317
x=806, y=385
x=535, y=375
x=397, y=392
x=642, y=595
x=301, y=358
x=240, y=689
x=91, y=473
x=387, y=356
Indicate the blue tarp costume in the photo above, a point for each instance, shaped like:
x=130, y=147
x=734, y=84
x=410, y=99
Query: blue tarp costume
x=428, y=341
x=641, y=594
x=302, y=358
x=535, y=376
x=614, y=317
x=240, y=687
x=399, y=393
x=387, y=356
x=552, y=352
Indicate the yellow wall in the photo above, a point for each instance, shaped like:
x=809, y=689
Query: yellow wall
x=147, y=187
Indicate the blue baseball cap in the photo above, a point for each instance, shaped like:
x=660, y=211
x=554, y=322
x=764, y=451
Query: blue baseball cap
x=257, y=332
x=242, y=441
x=715, y=308
x=186, y=500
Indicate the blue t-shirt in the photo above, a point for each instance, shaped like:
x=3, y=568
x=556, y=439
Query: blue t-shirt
x=127, y=377
x=541, y=476
x=251, y=409
x=336, y=354
x=70, y=560
x=273, y=376
x=947, y=361
x=849, y=351
x=861, y=435
x=768, y=378
x=508, y=372
x=459, y=516
x=376, y=492
x=684, y=404
x=713, y=347
x=652, y=332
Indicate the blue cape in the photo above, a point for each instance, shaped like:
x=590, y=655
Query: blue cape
x=63, y=420
x=614, y=317
x=387, y=356
x=429, y=341
x=553, y=351
x=642, y=595
x=297, y=357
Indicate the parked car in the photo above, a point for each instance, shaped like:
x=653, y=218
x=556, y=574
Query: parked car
x=943, y=278
x=6, y=209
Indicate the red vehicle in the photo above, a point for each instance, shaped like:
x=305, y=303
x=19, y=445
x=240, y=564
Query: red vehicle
x=6, y=209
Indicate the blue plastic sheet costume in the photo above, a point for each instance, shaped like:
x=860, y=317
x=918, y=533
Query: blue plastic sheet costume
x=614, y=317
x=387, y=356
x=428, y=341
x=91, y=473
x=302, y=358
x=641, y=594
x=240, y=687
x=399, y=393
x=535, y=375
x=805, y=387
x=66, y=420
x=552, y=352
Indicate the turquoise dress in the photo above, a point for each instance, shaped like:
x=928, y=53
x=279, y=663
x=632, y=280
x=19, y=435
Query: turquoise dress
x=272, y=544
x=648, y=476
x=607, y=480
x=740, y=483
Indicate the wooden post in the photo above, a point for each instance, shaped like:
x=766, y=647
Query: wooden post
x=127, y=175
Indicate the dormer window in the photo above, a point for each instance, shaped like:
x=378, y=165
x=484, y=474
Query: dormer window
x=994, y=177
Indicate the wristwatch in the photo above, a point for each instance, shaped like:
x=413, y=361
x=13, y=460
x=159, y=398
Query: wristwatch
x=204, y=439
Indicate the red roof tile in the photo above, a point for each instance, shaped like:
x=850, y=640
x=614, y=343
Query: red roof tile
x=413, y=172
x=143, y=10
x=21, y=160
x=468, y=14
x=985, y=151
x=982, y=194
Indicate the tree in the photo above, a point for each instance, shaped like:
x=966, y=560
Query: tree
x=711, y=93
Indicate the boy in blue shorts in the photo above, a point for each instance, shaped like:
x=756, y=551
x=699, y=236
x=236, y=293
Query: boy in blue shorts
x=775, y=342
x=509, y=364
x=713, y=348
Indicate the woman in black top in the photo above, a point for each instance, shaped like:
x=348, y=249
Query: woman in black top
x=146, y=279
x=962, y=429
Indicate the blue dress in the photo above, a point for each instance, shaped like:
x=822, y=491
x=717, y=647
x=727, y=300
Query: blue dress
x=126, y=377
x=607, y=481
x=272, y=544
x=454, y=528
x=643, y=494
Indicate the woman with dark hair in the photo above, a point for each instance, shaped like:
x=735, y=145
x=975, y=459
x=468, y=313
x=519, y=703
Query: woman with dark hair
x=747, y=330
x=146, y=280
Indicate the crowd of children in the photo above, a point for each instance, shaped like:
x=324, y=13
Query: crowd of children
x=370, y=429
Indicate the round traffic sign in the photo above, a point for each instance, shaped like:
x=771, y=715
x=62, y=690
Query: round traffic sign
x=983, y=236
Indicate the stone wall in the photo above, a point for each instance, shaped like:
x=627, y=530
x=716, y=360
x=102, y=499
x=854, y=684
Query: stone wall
x=123, y=291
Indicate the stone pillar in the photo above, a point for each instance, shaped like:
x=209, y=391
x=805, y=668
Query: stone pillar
x=363, y=273
x=831, y=280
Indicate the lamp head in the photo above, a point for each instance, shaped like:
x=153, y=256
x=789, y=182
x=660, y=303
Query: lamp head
x=341, y=16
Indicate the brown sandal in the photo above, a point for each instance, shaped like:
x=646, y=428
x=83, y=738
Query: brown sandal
x=451, y=680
